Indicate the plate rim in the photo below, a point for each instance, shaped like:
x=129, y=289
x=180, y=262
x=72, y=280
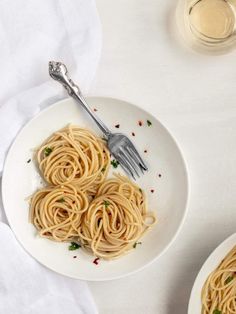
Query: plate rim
x=185, y=207
x=208, y=260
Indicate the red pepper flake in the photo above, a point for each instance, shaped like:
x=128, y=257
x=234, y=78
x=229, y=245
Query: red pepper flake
x=133, y=134
x=75, y=256
x=117, y=126
x=140, y=123
x=94, y=109
x=159, y=175
x=145, y=151
x=96, y=261
x=152, y=191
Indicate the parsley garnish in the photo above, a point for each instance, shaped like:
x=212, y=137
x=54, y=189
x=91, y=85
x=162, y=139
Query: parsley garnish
x=106, y=203
x=47, y=151
x=135, y=244
x=115, y=163
x=230, y=278
x=149, y=123
x=74, y=246
x=216, y=311
x=61, y=200
x=103, y=169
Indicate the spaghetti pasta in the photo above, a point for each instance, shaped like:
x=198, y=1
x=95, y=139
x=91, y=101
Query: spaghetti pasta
x=115, y=219
x=74, y=155
x=106, y=217
x=56, y=212
x=219, y=291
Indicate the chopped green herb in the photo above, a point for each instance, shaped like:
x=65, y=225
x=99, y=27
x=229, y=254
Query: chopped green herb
x=230, y=278
x=149, y=123
x=216, y=311
x=115, y=163
x=61, y=200
x=140, y=190
x=28, y=161
x=47, y=151
x=74, y=246
x=103, y=169
x=135, y=244
x=106, y=203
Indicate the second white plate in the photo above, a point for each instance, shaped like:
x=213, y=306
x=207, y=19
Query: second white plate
x=166, y=185
x=210, y=264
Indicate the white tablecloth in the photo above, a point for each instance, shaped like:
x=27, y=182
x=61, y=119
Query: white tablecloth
x=195, y=97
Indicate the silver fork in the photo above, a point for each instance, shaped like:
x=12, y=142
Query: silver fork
x=118, y=144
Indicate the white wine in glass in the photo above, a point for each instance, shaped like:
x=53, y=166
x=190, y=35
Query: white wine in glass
x=208, y=25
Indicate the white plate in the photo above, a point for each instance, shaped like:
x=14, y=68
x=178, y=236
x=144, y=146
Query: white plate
x=169, y=199
x=210, y=264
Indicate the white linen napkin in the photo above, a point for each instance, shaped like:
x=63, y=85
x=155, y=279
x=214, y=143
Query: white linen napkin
x=31, y=34
x=28, y=288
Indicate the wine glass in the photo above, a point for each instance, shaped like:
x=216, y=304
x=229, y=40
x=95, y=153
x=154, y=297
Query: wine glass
x=208, y=25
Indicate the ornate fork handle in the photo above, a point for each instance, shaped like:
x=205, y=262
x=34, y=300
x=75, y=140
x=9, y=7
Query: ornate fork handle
x=72, y=88
x=58, y=72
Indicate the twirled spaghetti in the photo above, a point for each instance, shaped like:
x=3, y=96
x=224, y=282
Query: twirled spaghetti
x=115, y=219
x=107, y=217
x=56, y=212
x=219, y=290
x=74, y=155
